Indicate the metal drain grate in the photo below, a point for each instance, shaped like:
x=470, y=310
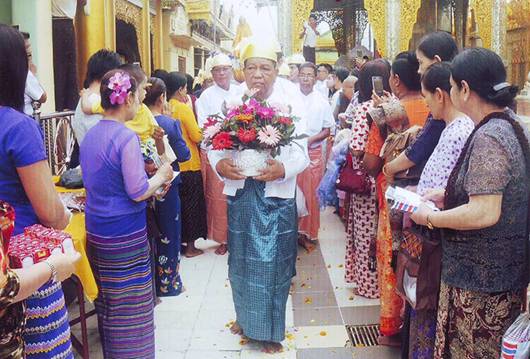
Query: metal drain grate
x=363, y=335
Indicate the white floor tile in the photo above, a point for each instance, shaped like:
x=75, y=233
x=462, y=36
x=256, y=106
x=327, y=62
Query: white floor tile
x=169, y=355
x=222, y=354
x=171, y=340
x=333, y=336
x=179, y=319
x=215, y=339
x=346, y=298
x=257, y=354
x=214, y=319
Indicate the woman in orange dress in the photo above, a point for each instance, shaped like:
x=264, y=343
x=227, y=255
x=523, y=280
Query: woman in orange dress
x=406, y=86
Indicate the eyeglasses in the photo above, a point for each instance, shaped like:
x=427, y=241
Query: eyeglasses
x=221, y=69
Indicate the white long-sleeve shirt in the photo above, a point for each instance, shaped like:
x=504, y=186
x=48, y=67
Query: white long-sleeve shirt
x=211, y=101
x=319, y=114
x=293, y=157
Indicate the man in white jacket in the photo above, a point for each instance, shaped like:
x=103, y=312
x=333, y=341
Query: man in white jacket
x=262, y=216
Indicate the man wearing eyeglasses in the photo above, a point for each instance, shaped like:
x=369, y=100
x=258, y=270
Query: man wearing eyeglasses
x=211, y=103
x=319, y=121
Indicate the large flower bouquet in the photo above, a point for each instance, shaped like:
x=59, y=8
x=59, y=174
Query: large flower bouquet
x=252, y=125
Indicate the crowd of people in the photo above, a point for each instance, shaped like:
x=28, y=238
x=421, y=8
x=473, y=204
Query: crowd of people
x=451, y=277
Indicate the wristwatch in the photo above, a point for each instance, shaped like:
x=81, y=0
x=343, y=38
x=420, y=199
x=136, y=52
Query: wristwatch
x=429, y=223
x=53, y=276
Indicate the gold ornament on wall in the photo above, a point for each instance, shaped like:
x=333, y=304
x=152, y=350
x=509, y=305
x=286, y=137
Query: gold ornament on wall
x=377, y=17
x=409, y=13
x=483, y=16
x=301, y=9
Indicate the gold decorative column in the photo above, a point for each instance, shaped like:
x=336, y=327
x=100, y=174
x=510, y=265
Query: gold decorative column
x=409, y=12
x=483, y=16
x=377, y=18
x=145, y=37
x=498, y=29
x=96, y=29
x=159, y=37
x=299, y=15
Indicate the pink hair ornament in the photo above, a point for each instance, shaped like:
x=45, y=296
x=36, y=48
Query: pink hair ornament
x=120, y=84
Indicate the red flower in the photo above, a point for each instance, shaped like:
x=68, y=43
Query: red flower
x=246, y=136
x=222, y=141
x=285, y=121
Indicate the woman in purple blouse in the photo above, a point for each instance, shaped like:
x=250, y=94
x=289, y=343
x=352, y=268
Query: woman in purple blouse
x=117, y=187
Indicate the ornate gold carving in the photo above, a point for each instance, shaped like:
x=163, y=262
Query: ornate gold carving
x=518, y=14
x=409, y=12
x=483, y=16
x=377, y=17
x=300, y=13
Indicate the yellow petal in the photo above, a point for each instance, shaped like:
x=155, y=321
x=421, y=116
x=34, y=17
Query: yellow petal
x=323, y=333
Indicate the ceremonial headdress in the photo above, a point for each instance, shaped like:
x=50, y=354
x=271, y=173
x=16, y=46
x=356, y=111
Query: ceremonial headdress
x=220, y=60
x=296, y=59
x=259, y=48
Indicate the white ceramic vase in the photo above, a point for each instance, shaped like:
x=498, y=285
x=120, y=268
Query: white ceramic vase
x=251, y=161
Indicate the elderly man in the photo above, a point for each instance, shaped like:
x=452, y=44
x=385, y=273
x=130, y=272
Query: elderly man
x=262, y=217
x=319, y=121
x=211, y=103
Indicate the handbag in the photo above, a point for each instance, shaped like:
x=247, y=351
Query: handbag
x=353, y=180
x=395, y=144
x=418, y=267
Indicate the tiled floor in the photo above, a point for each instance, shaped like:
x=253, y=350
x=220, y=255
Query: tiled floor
x=195, y=324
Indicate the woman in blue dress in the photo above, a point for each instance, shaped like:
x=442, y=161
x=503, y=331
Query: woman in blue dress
x=167, y=210
x=26, y=184
x=117, y=187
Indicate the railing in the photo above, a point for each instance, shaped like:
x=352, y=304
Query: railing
x=59, y=139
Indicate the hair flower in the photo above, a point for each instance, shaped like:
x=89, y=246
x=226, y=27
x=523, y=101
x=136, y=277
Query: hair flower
x=120, y=84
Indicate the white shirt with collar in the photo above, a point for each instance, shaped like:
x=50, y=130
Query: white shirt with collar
x=293, y=157
x=319, y=114
x=211, y=101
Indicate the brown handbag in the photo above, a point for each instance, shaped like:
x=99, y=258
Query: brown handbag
x=353, y=180
x=395, y=144
x=420, y=254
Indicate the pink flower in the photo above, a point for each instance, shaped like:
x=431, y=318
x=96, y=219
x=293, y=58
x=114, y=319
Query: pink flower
x=210, y=121
x=281, y=108
x=266, y=112
x=120, y=85
x=269, y=136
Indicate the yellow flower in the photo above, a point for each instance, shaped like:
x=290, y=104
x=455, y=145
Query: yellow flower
x=245, y=118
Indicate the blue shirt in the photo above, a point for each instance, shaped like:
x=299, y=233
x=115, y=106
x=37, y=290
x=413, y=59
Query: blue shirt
x=176, y=141
x=420, y=151
x=113, y=170
x=21, y=145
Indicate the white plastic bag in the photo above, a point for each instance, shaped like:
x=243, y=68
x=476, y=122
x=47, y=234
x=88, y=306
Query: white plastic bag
x=300, y=203
x=516, y=340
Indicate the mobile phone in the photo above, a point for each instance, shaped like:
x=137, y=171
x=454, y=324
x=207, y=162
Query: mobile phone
x=377, y=84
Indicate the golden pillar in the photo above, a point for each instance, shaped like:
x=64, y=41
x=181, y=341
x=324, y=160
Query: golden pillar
x=159, y=37
x=483, y=17
x=408, y=15
x=145, y=37
x=377, y=19
x=300, y=14
x=96, y=29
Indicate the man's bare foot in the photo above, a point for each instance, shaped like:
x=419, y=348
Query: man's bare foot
x=236, y=329
x=390, y=341
x=221, y=251
x=306, y=243
x=192, y=251
x=272, y=347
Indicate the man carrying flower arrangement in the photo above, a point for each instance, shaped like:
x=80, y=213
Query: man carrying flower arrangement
x=262, y=216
